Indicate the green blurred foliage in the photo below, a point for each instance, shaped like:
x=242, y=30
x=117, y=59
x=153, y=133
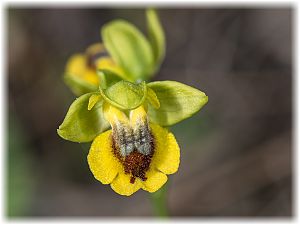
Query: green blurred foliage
x=20, y=183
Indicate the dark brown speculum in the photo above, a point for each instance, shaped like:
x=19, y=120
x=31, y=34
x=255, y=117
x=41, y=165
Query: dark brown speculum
x=135, y=163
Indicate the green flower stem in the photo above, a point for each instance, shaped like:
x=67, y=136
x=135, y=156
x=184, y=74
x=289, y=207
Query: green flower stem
x=159, y=202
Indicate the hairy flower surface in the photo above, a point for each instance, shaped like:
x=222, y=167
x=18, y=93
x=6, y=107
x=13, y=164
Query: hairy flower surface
x=134, y=154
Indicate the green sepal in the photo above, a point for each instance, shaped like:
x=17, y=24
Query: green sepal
x=129, y=49
x=125, y=95
x=108, y=78
x=79, y=86
x=81, y=124
x=156, y=36
x=177, y=102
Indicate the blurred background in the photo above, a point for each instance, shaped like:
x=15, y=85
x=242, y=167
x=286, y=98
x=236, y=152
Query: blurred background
x=236, y=153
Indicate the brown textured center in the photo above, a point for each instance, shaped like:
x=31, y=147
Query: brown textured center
x=135, y=163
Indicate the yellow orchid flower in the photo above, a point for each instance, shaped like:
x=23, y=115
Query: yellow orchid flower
x=135, y=154
x=81, y=69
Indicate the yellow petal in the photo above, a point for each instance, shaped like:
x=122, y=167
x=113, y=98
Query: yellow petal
x=94, y=49
x=90, y=76
x=77, y=66
x=102, y=162
x=155, y=180
x=166, y=156
x=122, y=184
x=106, y=63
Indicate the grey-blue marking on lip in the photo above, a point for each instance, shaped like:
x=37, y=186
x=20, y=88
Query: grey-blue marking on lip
x=123, y=136
x=143, y=138
x=128, y=139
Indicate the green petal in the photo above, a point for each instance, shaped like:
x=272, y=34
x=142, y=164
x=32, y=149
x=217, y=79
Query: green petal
x=129, y=49
x=156, y=36
x=152, y=98
x=78, y=85
x=177, y=102
x=125, y=95
x=93, y=100
x=81, y=124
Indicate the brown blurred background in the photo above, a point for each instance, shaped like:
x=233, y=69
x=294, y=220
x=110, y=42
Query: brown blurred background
x=236, y=153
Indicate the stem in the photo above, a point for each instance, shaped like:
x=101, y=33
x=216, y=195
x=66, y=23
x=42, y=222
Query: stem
x=159, y=202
